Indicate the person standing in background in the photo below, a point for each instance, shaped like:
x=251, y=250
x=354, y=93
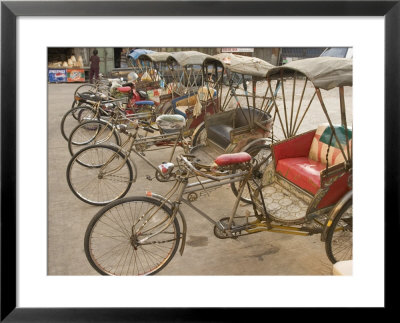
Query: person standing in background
x=94, y=66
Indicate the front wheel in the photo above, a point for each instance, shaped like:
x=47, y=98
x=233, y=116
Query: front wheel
x=131, y=237
x=92, y=132
x=339, y=238
x=74, y=117
x=262, y=155
x=99, y=174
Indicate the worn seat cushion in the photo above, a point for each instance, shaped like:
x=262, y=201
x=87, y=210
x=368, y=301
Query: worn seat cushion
x=220, y=134
x=320, y=144
x=144, y=102
x=124, y=89
x=230, y=159
x=171, y=122
x=302, y=171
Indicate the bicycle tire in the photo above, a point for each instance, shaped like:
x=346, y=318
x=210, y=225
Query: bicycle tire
x=91, y=88
x=87, y=181
x=91, y=133
x=339, y=238
x=124, y=256
x=70, y=119
x=253, y=151
x=200, y=138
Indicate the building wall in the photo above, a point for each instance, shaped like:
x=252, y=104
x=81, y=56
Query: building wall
x=295, y=53
x=268, y=54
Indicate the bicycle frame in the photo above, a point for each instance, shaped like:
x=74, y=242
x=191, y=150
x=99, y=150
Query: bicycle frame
x=182, y=187
x=131, y=141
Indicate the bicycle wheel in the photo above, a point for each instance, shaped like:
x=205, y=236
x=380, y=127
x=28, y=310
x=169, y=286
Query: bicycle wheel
x=112, y=238
x=92, y=132
x=85, y=88
x=99, y=174
x=200, y=138
x=339, y=239
x=74, y=116
x=259, y=153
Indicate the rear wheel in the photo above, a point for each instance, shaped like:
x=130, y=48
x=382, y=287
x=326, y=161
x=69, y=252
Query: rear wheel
x=114, y=239
x=92, y=132
x=262, y=154
x=339, y=239
x=99, y=174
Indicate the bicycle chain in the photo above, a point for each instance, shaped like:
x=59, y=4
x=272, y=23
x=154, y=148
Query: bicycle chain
x=154, y=242
x=123, y=179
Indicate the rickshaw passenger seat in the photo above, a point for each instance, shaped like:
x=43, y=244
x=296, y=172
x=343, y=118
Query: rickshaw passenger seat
x=303, y=165
x=302, y=171
x=220, y=134
x=243, y=115
x=230, y=159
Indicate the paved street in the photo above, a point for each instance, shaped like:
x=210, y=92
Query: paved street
x=263, y=253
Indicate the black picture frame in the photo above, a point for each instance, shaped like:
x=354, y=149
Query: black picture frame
x=10, y=10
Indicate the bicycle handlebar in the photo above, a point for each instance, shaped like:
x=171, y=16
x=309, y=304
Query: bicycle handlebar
x=148, y=129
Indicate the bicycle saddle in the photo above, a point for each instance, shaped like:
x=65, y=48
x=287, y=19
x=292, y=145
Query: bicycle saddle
x=124, y=89
x=230, y=159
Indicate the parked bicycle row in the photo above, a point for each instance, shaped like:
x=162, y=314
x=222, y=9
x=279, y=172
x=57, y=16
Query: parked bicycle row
x=240, y=122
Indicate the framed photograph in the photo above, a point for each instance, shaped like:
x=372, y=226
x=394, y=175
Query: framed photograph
x=49, y=268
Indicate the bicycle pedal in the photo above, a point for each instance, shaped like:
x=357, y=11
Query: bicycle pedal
x=148, y=177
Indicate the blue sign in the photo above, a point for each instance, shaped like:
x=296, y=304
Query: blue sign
x=57, y=75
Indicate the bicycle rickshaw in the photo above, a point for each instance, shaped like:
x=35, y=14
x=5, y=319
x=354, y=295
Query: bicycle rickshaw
x=139, y=96
x=167, y=97
x=197, y=83
x=245, y=121
x=134, y=61
x=92, y=180
x=146, y=234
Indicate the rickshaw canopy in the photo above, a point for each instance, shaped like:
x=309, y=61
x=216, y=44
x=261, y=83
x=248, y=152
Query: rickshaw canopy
x=244, y=65
x=134, y=54
x=188, y=58
x=155, y=57
x=324, y=72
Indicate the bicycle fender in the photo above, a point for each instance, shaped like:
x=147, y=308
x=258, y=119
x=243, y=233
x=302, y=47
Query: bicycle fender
x=134, y=167
x=333, y=213
x=263, y=141
x=197, y=129
x=184, y=226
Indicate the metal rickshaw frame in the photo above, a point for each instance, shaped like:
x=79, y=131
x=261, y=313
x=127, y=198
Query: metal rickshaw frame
x=238, y=128
x=334, y=194
x=193, y=97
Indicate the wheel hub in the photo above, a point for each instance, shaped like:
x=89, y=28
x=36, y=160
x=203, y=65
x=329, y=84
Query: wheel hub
x=134, y=242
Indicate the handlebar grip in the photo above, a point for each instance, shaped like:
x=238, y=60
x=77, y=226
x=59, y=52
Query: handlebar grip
x=148, y=129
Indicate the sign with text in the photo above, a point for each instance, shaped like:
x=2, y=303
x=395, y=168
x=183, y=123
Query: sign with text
x=57, y=75
x=238, y=50
x=75, y=75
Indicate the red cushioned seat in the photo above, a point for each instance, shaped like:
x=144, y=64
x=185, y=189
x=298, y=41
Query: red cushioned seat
x=302, y=171
x=124, y=89
x=229, y=159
